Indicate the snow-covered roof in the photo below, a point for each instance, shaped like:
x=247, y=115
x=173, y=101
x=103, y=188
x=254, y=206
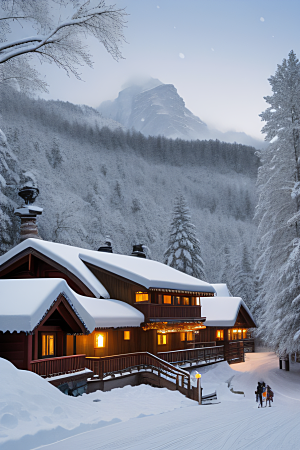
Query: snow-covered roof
x=148, y=273
x=222, y=311
x=24, y=303
x=111, y=313
x=222, y=290
x=65, y=255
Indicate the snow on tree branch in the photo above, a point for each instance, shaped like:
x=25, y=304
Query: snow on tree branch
x=59, y=40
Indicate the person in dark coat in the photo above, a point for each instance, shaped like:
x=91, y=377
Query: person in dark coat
x=259, y=391
x=269, y=395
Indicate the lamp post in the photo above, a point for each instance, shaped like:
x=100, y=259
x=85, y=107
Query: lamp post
x=199, y=390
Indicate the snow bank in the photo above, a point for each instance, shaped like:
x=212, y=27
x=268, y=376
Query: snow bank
x=33, y=412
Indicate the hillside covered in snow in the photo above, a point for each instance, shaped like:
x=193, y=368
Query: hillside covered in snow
x=96, y=179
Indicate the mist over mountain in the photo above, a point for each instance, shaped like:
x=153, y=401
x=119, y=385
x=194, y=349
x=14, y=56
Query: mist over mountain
x=96, y=179
x=154, y=109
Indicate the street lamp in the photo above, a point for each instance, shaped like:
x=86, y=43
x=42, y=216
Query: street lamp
x=199, y=389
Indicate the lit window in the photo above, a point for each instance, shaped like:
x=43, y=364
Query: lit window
x=244, y=334
x=186, y=301
x=141, y=296
x=99, y=340
x=126, y=335
x=48, y=344
x=168, y=299
x=177, y=301
x=197, y=301
x=161, y=339
x=220, y=335
x=182, y=336
x=189, y=336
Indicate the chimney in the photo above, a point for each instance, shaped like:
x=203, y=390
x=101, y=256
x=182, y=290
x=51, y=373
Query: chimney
x=138, y=251
x=28, y=213
x=107, y=247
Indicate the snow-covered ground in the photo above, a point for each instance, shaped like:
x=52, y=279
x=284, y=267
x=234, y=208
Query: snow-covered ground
x=34, y=414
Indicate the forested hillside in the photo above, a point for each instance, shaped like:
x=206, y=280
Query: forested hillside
x=96, y=179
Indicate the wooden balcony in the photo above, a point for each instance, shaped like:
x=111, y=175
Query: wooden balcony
x=169, y=313
x=56, y=366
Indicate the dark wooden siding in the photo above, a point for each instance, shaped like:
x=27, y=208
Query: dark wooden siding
x=118, y=288
x=13, y=347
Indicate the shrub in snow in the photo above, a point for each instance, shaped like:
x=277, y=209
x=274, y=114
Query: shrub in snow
x=183, y=252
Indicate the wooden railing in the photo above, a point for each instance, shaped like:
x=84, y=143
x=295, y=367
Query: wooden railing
x=235, y=352
x=155, y=311
x=207, y=354
x=56, y=366
x=110, y=365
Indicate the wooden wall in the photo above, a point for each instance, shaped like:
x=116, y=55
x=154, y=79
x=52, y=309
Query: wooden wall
x=14, y=348
x=119, y=288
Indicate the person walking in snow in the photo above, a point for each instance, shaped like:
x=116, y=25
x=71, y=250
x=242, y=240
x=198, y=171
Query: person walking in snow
x=269, y=395
x=259, y=391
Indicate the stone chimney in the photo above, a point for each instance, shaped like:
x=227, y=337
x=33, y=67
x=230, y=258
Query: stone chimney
x=28, y=212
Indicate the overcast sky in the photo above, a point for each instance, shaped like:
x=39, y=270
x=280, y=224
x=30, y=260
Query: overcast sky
x=217, y=53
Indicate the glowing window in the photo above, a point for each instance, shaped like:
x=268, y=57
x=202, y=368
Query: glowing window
x=168, y=299
x=244, y=334
x=220, y=335
x=189, y=336
x=182, y=336
x=126, y=335
x=99, y=340
x=186, y=301
x=197, y=301
x=48, y=344
x=141, y=296
x=161, y=339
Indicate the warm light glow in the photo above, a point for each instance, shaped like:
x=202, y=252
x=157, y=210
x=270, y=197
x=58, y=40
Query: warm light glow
x=126, y=335
x=165, y=327
x=99, y=340
x=198, y=375
x=48, y=344
x=186, y=301
x=189, y=336
x=168, y=299
x=141, y=296
x=161, y=339
x=197, y=301
x=234, y=331
x=182, y=337
x=220, y=335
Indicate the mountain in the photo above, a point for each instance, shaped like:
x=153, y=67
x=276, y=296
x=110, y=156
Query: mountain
x=102, y=180
x=154, y=109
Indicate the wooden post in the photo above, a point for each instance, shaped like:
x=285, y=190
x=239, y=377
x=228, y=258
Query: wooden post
x=280, y=363
x=74, y=344
x=29, y=351
x=177, y=382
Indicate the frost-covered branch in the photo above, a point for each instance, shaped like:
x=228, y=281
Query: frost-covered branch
x=61, y=41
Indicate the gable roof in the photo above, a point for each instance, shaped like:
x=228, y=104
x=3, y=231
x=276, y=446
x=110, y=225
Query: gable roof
x=25, y=302
x=222, y=311
x=148, y=273
x=221, y=289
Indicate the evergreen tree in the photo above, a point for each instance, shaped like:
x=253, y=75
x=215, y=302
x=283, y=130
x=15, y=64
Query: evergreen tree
x=183, y=251
x=278, y=212
x=243, y=283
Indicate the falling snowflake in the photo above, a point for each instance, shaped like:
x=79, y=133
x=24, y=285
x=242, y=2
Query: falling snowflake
x=157, y=7
x=143, y=120
x=262, y=19
x=181, y=55
x=212, y=49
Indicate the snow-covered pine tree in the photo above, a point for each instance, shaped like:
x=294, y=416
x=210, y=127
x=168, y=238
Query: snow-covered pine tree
x=9, y=178
x=183, y=252
x=243, y=283
x=278, y=212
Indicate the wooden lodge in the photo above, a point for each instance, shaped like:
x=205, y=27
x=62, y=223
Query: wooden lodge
x=66, y=304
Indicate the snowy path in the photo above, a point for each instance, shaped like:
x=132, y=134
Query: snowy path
x=235, y=423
